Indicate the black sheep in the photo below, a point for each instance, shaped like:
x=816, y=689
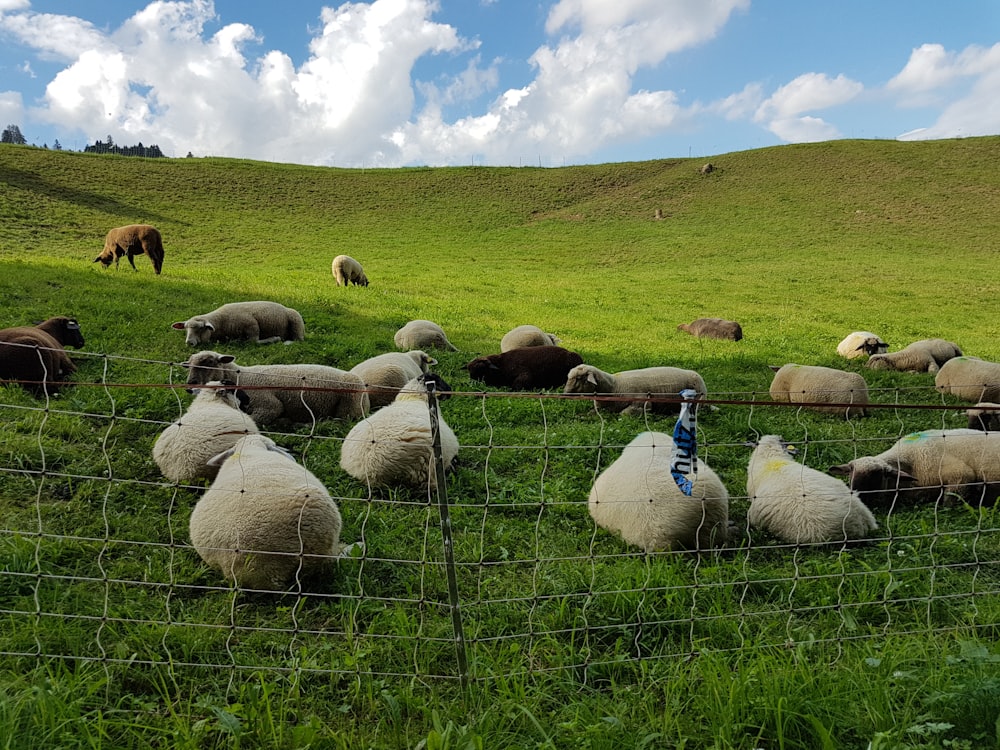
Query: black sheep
x=525, y=369
x=35, y=354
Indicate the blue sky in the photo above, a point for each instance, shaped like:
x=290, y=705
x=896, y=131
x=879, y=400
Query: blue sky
x=495, y=82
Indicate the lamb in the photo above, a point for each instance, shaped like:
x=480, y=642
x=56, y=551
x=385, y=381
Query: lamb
x=524, y=369
x=800, y=505
x=347, y=271
x=261, y=322
x=984, y=416
x=969, y=379
x=35, y=354
x=526, y=335
x=922, y=465
x=860, y=343
x=810, y=384
x=212, y=424
x=422, y=334
x=649, y=381
x=713, y=328
x=926, y=355
x=385, y=374
x=265, y=522
x=637, y=498
x=132, y=240
x=293, y=393
x=394, y=446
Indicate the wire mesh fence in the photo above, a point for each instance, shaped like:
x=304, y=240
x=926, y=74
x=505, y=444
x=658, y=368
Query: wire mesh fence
x=498, y=574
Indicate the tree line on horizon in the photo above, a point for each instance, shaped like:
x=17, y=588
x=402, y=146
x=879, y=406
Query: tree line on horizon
x=12, y=134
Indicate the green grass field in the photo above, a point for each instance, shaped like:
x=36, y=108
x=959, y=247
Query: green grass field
x=115, y=634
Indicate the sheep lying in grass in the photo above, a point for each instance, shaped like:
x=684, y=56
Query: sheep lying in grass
x=35, y=354
x=637, y=498
x=348, y=271
x=926, y=355
x=296, y=393
x=526, y=335
x=800, y=505
x=132, y=240
x=261, y=322
x=810, y=384
x=713, y=328
x=648, y=381
x=525, y=369
x=212, y=424
x=923, y=465
x=969, y=379
x=394, y=446
x=422, y=334
x=984, y=416
x=384, y=374
x=265, y=522
x=861, y=343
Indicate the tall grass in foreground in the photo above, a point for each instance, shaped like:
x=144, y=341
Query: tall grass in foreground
x=115, y=635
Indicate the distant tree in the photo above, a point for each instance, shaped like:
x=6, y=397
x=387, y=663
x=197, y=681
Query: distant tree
x=189, y=156
x=12, y=134
x=56, y=145
x=109, y=142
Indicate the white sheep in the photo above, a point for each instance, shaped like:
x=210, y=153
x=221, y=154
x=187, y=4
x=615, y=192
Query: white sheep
x=212, y=423
x=348, y=271
x=798, y=504
x=811, y=384
x=296, y=393
x=984, y=416
x=526, y=335
x=384, y=374
x=926, y=355
x=259, y=321
x=637, y=498
x=860, y=343
x=922, y=465
x=265, y=522
x=969, y=379
x=394, y=446
x=422, y=334
x=648, y=381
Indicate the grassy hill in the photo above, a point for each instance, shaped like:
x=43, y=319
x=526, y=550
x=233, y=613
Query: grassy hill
x=116, y=635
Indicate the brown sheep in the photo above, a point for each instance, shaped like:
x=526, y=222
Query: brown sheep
x=713, y=328
x=35, y=354
x=132, y=240
x=525, y=369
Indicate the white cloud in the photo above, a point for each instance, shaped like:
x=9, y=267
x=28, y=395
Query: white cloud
x=11, y=108
x=785, y=112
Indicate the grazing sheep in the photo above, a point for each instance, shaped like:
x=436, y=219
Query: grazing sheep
x=637, y=498
x=132, y=240
x=649, y=381
x=261, y=322
x=984, y=416
x=394, y=446
x=525, y=369
x=860, y=343
x=526, y=335
x=926, y=355
x=422, y=334
x=798, y=504
x=969, y=379
x=347, y=271
x=922, y=465
x=296, y=393
x=713, y=328
x=265, y=522
x=212, y=424
x=35, y=354
x=385, y=374
x=810, y=384
x=706, y=169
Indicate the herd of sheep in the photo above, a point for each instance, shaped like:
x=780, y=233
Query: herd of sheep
x=265, y=521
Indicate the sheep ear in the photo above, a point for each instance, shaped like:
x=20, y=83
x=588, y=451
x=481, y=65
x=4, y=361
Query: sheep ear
x=863, y=345
x=592, y=378
x=179, y=325
x=774, y=368
x=278, y=449
x=493, y=366
x=220, y=458
x=840, y=470
x=209, y=326
x=225, y=359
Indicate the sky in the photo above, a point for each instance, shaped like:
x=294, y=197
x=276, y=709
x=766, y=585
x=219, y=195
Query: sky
x=389, y=83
